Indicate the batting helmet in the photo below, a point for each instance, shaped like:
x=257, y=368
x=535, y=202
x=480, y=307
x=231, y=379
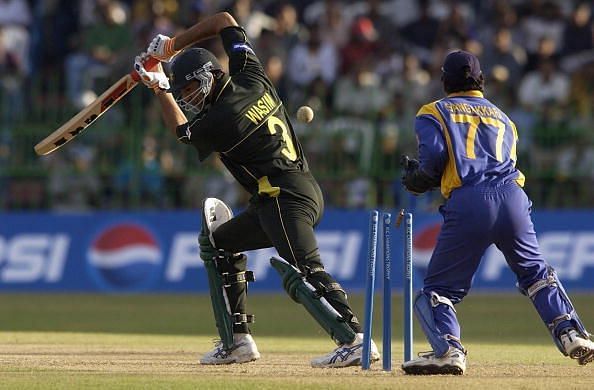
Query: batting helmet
x=193, y=64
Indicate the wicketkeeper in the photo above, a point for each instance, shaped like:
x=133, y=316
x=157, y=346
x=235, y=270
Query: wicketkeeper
x=240, y=117
x=467, y=147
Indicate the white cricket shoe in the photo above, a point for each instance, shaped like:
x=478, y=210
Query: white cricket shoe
x=243, y=350
x=577, y=347
x=453, y=363
x=346, y=355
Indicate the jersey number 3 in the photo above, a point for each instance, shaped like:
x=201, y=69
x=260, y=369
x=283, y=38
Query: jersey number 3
x=289, y=150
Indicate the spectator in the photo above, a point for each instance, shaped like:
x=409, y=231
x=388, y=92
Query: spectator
x=53, y=32
x=318, y=95
x=421, y=34
x=287, y=28
x=546, y=51
x=310, y=61
x=543, y=21
x=503, y=53
x=412, y=82
x=73, y=184
x=140, y=183
x=275, y=70
x=545, y=85
x=553, y=151
x=360, y=92
x=454, y=29
x=252, y=20
x=500, y=16
x=579, y=30
x=282, y=38
x=362, y=45
x=101, y=45
x=317, y=11
x=159, y=21
x=384, y=26
x=500, y=87
x=15, y=19
x=334, y=23
x=581, y=96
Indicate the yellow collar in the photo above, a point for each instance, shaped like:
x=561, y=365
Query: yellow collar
x=473, y=93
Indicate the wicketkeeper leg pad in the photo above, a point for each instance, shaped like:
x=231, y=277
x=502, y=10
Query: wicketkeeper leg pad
x=437, y=317
x=554, y=306
x=301, y=291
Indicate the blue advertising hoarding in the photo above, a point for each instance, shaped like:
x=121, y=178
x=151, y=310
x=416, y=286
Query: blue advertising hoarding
x=158, y=252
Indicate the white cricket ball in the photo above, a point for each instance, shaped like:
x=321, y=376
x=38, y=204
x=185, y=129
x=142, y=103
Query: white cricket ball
x=305, y=114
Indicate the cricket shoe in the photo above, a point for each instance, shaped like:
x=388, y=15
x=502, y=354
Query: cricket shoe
x=452, y=363
x=244, y=350
x=577, y=346
x=346, y=355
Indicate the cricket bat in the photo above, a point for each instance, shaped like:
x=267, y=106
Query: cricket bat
x=92, y=112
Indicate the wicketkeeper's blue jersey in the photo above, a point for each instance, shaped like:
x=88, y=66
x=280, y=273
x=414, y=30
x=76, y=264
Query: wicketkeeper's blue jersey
x=466, y=140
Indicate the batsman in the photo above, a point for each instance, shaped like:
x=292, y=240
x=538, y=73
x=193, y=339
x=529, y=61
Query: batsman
x=240, y=117
x=467, y=147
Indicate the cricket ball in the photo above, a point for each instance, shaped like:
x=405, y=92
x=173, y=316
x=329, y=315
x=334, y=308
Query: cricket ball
x=305, y=114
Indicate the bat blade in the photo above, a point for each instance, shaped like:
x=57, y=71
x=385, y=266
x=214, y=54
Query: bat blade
x=91, y=113
x=86, y=117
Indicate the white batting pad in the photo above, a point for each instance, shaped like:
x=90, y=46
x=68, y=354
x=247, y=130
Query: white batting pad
x=216, y=213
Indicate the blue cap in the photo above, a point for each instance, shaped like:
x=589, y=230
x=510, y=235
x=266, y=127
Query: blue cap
x=460, y=65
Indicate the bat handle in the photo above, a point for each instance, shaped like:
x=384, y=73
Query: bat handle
x=150, y=63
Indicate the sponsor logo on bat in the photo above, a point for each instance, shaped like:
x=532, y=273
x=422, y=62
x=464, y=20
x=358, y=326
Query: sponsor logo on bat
x=71, y=134
x=117, y=93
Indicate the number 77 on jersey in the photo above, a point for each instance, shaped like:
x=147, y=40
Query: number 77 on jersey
x=91, y=113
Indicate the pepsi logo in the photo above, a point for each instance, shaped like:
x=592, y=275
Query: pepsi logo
x=423, y=244
x=125, y=257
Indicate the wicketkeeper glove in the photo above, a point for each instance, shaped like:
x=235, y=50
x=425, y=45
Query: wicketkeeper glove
x=154, y=79
x=414, y=179
x=162, y=48
x=207, y=251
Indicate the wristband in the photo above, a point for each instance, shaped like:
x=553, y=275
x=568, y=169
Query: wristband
x=169, y=48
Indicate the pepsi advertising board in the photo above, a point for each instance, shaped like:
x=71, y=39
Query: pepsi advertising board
x=158, y=252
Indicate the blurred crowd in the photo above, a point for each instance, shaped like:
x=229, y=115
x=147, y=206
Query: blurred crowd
x=365, y=67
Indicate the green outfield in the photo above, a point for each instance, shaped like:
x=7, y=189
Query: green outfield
x=154, y=341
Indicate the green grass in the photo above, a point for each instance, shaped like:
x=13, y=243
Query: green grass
x=154, y=341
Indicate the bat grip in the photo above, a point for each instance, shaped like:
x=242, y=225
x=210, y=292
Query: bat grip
x=150, y=63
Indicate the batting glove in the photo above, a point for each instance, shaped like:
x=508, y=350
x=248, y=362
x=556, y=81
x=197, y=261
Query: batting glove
x=155, y=79
x=162, y=48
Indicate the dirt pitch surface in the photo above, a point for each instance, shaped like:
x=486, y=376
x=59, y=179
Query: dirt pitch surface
x=43, y=360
